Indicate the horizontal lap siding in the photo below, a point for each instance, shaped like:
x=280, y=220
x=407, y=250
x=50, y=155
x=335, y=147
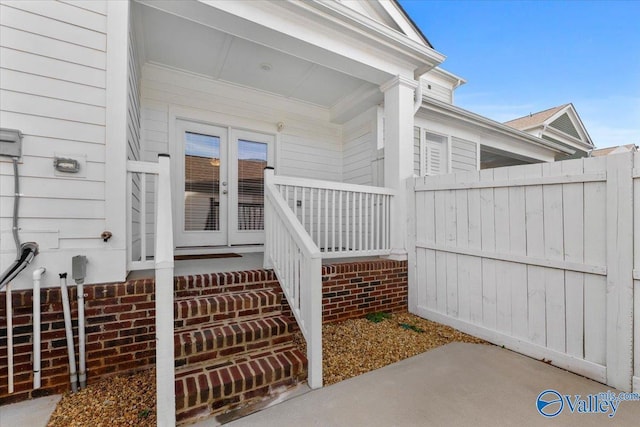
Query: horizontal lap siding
x=359, y=147
x=518, y=265
x=464, y=155
x=133, y=143
x=53, y=89
x=309, y=146
x=439, y=92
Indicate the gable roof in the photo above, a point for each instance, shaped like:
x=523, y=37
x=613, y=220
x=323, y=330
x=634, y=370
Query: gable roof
x=535, y=119
x=391, y=14
x=561, y=124
x=614, y=150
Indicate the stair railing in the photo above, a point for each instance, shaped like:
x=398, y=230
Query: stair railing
x=137, y=180
x=297, y=263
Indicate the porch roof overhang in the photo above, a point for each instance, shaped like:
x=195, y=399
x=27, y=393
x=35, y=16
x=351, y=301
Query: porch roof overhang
x=325, y=33
x=465, y=116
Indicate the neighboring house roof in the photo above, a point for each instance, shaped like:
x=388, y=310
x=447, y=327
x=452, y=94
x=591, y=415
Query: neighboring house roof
x=629, y=148
x=560, y=124
x=535, y=119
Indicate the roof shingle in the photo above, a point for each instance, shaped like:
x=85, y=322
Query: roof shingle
x=535, y=119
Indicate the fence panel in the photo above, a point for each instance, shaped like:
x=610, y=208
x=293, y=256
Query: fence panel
x=518, y=256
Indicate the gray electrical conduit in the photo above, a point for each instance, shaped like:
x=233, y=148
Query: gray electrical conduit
x=24, y=252
x=66, y=309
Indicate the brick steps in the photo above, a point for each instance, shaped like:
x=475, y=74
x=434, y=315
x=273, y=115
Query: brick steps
x=233, y=345
x=214, y=340
x=230, y=305
x=203, y=391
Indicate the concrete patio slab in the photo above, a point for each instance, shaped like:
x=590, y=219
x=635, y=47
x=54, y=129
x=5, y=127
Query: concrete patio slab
x=30, y=413
x=454, y=385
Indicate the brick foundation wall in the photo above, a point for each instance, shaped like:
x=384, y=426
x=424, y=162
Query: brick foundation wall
x=352, y=290
x=120, y=336
x=120, y=319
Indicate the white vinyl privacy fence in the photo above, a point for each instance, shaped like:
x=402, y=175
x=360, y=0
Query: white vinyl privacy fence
x=538, y=258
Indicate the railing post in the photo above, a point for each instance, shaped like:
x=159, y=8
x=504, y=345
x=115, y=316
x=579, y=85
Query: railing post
x=268, y=232
x=165, y=371
x=314, y=347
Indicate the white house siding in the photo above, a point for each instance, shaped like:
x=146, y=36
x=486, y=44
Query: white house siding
x=416, y=151
x=308, y=145
x=455, y=128
x=133, y=138
x=359, y=139
x=464, y=155
x=437, y=91
x=53, y=89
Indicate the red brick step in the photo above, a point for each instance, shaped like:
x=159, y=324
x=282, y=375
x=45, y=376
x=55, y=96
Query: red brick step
x=203, y=390
x=211, y=308
x=207, y=342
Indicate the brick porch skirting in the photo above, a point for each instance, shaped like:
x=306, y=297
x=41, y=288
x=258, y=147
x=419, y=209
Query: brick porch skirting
x=120, y=319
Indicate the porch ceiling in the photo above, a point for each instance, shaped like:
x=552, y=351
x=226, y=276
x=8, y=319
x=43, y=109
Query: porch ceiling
x=179, y=43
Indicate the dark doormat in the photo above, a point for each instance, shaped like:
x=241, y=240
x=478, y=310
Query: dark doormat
x=205, y=256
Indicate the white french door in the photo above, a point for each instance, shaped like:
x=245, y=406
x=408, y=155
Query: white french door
x=219, y=184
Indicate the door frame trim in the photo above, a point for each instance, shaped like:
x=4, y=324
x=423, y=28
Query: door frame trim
x=218, y=119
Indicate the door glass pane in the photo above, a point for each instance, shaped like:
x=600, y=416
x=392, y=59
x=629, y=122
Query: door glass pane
x=201, y=182
x=252, y=159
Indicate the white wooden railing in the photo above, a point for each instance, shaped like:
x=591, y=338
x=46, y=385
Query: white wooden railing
x=343, y=220
x=140, y=176
x=307, y=220
x=137, y=180
x=297, y=263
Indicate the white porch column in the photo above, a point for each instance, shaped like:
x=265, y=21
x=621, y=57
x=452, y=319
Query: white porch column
x=398, y=155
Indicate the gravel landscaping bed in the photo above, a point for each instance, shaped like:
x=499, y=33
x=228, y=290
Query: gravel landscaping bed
x=114, y=402
x=356, y=346
x=350, y=348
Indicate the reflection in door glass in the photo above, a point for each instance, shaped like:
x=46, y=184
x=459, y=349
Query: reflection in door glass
x=252, y=159
x=201, y=182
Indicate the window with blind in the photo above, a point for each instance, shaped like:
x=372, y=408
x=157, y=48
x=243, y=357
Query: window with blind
x=252, y=159
x=201, y=182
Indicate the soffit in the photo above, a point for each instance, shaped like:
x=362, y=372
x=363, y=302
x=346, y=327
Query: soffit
x=183, y=44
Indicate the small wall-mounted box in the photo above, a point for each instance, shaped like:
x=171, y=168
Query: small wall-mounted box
x=70, y=165
x=67, y=165
x=10, y=142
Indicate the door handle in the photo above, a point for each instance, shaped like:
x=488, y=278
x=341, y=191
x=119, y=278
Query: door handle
x=224, y=183
x=224, y=191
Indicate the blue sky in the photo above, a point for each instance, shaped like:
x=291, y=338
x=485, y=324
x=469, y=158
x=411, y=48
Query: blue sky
x=520, y=57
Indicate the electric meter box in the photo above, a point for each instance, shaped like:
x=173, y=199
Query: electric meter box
x=10, y=142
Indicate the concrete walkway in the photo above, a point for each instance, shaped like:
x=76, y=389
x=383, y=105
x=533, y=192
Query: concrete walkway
x=29, y=413
x=454, y=385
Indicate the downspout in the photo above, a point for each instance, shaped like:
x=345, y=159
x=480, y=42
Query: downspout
x=418, y=97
